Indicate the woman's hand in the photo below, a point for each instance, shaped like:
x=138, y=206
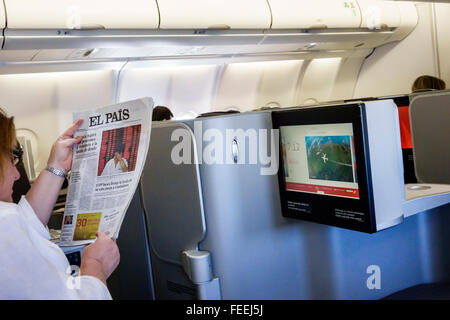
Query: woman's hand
x=45, y=190
x=61, y=154
x=100, y=258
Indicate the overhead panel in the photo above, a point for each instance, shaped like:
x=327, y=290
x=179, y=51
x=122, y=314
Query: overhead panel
x=318, y=14
x=214, y=14
x=82, y=14
x=143, y=28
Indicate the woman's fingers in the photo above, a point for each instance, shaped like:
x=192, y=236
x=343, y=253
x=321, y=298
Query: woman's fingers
x=72, y=129
x=71, y=141
x=102, y=235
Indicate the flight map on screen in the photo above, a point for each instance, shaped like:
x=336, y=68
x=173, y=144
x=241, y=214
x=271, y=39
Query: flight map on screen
x=320, y=159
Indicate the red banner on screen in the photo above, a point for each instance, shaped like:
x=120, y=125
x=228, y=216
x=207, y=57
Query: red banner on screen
x=323, y=190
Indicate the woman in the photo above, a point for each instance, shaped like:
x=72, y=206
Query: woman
x=161, y=113
x=425, y=83
x=32, y=267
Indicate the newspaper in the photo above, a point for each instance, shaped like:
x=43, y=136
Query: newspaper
x=106, y=169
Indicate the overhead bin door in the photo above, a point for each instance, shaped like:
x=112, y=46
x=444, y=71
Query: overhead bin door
x=214, y=14
x=379, y=14
x=320, y=14
x=83, y=14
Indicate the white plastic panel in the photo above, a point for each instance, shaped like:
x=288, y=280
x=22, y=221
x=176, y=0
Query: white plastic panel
x=406, y=60
x=278, y=83
x=154, y=82
x=319, y=80
x=247, y=86
x=2, y=15
x=186, y=90
x=386, y=166
x=377, y=14
x=239, y=86
x=409, y=20
x=346, y=79
x=42, y=103
x=215, y=14
x=2, y=21
x=291, y=14
x=70, y=14
x=442, y=11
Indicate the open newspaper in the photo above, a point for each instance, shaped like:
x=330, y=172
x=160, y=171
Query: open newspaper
x=106, y=169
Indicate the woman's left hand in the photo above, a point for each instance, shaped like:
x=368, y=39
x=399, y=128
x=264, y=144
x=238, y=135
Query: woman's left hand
x=61, y=154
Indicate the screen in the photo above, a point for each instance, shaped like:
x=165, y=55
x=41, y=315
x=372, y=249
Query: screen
x=320, y=159
x=325, y=173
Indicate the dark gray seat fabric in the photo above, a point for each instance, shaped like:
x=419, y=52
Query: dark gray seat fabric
x=431, y=291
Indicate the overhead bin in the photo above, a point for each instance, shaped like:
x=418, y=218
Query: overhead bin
x=343, y=25
x=82, y=14
x=318, y=14
x=199, y=27
x=214, y=14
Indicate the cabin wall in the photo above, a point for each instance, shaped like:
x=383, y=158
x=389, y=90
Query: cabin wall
x=392, y=68
x=442, y=11
x=186, y=90
x=42, y=103
x=191, y=90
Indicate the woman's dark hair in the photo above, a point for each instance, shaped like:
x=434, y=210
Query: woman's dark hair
x=428, y=83
x=161, y=113
x=7, y=137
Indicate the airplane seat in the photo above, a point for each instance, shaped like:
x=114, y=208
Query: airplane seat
x=429, y=114
x=427, y=291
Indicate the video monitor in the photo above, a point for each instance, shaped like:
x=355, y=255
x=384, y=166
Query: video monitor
x=320, y=159
x=324, y=171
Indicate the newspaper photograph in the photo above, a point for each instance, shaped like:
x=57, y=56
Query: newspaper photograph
x=106, y=169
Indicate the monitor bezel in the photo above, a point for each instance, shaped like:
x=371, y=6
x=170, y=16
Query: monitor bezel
x=321, y=211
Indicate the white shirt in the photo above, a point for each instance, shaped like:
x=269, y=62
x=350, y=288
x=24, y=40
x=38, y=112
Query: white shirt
x=32, y=267
x=111, y=169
